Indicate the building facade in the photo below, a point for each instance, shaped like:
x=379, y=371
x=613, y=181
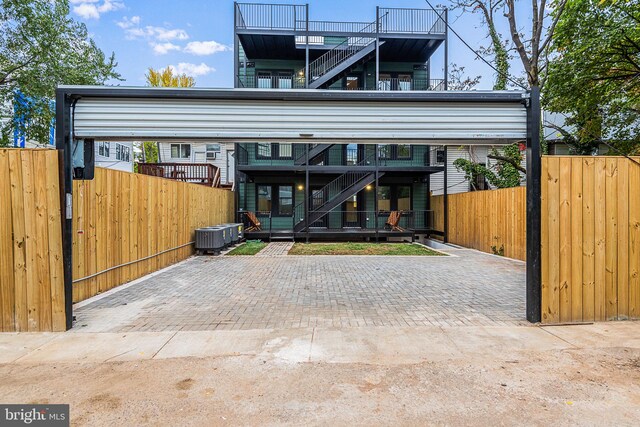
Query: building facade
x=114, y=155
x=218, y=154
x=339, y=190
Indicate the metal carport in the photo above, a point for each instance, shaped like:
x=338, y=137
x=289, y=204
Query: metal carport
x=307, y=116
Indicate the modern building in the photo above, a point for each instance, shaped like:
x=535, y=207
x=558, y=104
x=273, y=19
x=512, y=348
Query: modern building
x=339, y=190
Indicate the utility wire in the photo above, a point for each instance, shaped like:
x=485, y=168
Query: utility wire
x=506, y=76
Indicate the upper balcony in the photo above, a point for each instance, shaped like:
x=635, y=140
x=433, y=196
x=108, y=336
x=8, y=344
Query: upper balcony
x=282, y=31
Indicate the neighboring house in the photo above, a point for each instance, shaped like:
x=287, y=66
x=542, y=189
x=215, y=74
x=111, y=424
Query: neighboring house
x=351, y=189
x=218, y=154
x=114, y=155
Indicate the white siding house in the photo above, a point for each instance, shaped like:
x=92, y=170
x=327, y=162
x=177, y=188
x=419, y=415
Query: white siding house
x=217, y=154
x=114, y=155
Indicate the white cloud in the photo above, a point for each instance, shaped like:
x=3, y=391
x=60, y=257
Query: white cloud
x=92, y=9
x=192, y=69
x=126, y=22
x=205, y=48
x=164, y=48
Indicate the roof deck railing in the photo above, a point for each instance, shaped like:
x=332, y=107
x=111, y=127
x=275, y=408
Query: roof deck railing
x=293, y=17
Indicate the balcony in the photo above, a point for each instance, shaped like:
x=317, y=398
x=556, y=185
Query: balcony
x=196, y=173
x=294, y=18
x=293, y=81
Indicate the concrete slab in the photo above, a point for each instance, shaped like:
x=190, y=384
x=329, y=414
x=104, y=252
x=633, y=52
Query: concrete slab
x=491, y=340
x=99, y=347
x=599, y=335
x=16, y=345
x=382, y=345
x=284, y=344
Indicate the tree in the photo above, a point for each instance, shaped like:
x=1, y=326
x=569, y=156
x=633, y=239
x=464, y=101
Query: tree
x=459, y=81
x=166, y=78
x=162, y=78
x=41, y=47
x=498, y=48
x=504, y=174
x=594, y=78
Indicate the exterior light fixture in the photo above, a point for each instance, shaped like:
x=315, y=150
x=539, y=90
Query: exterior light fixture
x=300, y=187
x=369, y=187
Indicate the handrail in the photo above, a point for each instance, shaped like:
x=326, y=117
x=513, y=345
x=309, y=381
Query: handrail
x=343, y=51
x=335, y=187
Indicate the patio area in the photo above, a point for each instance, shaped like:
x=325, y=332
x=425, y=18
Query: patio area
x=468, y=288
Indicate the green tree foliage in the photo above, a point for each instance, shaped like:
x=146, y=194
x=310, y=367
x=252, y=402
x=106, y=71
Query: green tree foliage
x=505, y=173
x=41, y=47
x=595, y=76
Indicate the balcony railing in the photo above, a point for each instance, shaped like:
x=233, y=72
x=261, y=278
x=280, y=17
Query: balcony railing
x=351, y=221
x=196, y=173
x=296, y=81
x=289, y=17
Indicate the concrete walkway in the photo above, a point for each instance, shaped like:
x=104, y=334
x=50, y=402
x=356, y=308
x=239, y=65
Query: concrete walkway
x=369, y=345
x=275, y=249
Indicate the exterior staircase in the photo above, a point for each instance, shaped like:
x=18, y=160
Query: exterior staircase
x=337, y=62
x=314, y=152
x=338, y=191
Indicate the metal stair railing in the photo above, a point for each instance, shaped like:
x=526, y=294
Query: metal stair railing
x=335, y=188
x=340, y=53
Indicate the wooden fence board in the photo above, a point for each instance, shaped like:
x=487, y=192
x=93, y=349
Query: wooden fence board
x=576, y=209
x=7, y=287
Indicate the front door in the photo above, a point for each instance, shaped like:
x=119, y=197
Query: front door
x=318, y=198
x=353, y=214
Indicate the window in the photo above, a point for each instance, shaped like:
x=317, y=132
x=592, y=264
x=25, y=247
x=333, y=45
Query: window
x=384, y=198
x=384, y=151
x=394, y=152
x=274, y=151
x=103, y=149
x=404, y=198
x=123, y=153
x=264, y=198
x=212, y=151
x=285, y=150
x=180, y=151
x=264, y=150
x=403, y=151
x=275, y=79
x=440, y=157
x=276, y=199
x=285, y=200
x=394, y=198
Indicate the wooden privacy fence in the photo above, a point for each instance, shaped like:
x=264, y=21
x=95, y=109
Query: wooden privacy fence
x=590, y=239
x=125, y=226
x=492, y=221
x=128, y=225
x=31, y=271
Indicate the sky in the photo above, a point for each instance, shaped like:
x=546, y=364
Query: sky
x=196, y=36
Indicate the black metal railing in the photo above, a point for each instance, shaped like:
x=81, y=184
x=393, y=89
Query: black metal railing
x=352, y=220
x=271, y=16
x=412, y=21
x=296, y=81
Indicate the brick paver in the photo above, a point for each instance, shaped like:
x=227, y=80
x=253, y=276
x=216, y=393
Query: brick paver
x=206, y=293
x=275, y=249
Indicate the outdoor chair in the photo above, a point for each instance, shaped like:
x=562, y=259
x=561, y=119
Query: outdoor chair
x=254, y=223
x=394, y=220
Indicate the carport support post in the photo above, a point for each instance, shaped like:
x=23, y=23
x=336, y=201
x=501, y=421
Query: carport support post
x=445, y=232
x=63, y=145
x=534, y=209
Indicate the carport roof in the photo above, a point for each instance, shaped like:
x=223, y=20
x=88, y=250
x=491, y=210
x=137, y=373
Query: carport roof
x=293, y=94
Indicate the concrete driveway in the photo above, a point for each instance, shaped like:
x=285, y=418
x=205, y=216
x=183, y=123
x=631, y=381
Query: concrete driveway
x=468, y=288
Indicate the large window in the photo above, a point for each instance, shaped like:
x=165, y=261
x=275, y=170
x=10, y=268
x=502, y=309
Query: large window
x=274, y=151
x=285, y=200
x=394, y=152
x=394, y=198
x=180, y=151
x=123, y=153
x=277, y=199
x=264, y=198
